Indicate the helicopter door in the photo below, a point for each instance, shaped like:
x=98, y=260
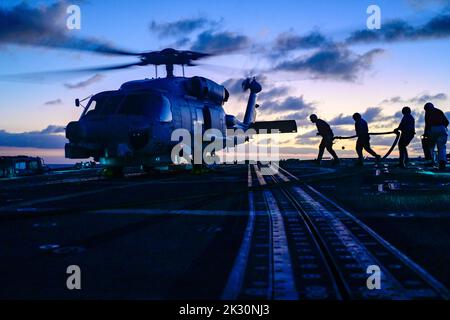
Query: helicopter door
x=186, y=121
x=207, y=118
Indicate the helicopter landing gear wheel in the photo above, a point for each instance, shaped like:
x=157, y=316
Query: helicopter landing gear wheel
x=112, y=172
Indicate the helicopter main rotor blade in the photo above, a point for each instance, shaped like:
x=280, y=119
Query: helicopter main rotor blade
x=166, y=57
x=94, y=46
x=38, y=76
x=76, y=44
x=217, y=67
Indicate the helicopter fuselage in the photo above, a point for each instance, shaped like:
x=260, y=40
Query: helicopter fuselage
x=133, y=125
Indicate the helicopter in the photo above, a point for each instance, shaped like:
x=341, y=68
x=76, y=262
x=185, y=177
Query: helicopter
x=132, y=126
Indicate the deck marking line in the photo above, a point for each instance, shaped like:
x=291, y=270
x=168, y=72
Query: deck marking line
x=236, y=277
x=391, y=287
x=259, y=175
x=443, y=291
x=283, y=277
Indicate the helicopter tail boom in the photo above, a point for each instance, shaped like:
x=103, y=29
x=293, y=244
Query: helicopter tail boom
x=282, y=126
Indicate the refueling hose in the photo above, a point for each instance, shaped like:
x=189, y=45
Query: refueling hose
x=397, y=138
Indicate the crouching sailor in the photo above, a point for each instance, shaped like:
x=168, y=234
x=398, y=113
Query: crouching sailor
x=324, y=130
x=363, y=142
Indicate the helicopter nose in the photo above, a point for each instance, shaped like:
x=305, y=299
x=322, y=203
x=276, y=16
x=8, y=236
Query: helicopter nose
x=109, y=132
x=75, y=131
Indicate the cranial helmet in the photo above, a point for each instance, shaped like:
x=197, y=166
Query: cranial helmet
x=406, y=110
x=428, y=106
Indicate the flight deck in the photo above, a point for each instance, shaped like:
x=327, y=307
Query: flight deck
x=288, y=232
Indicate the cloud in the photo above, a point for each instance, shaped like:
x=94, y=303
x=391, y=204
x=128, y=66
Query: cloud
x=274, y=93
x=341, y=120
x=419, y=99
x=427, y=98
x=290, y=104
x=421, y=4
x=292, y=108
x=289, y=41
x=46, y=138
x=181, y=42
x=220, y=41
x=301, y=117
x=336, y=62
x=308, y=134
x=24, y=24
x=52, y=129
x=343, y=132
x=383, y=141
x=53, y=102
x=44, y=26
x=370, y=114
x=393, y=100
x=83, y=84
x=234, y=86
x=182, y=27
x=309, y=137
x=201, y=34
x=437, y=27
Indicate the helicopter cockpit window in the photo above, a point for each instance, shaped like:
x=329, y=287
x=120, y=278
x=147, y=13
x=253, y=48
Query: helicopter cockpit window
x=110, y=104
x=147, y=104
x=104, y=104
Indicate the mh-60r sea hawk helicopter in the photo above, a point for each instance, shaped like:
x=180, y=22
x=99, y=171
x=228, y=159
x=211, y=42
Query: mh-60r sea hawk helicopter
x=133, y=125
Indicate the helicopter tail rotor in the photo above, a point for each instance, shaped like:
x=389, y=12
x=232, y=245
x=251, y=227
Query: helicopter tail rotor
x=255, y=88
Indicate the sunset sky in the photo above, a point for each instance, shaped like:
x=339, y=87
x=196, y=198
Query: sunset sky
x=311, y=56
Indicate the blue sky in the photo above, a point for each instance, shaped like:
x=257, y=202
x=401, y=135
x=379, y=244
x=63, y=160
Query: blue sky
x=409, y=66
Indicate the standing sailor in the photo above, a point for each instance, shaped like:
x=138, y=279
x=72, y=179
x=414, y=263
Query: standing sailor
x=436, y=124
x=407, y=128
